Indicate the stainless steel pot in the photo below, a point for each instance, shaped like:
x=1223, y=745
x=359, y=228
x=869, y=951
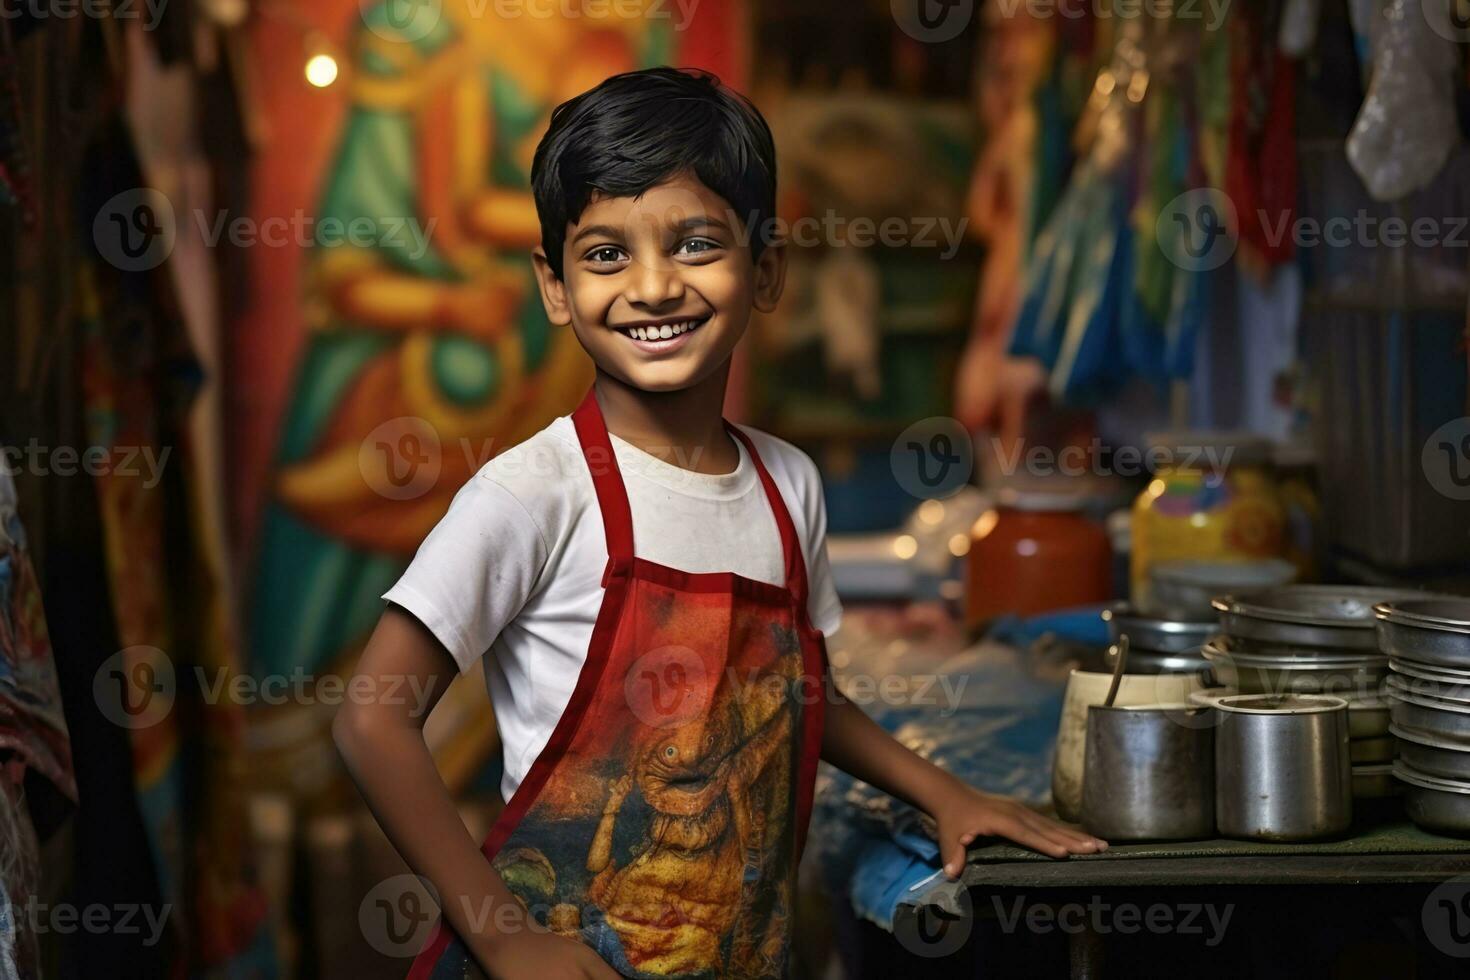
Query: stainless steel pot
x=1149, y=773
x=1435, y=804
x=1282, y=768
x=1334, y=616
x=1357, y=677
x=1153, y=634
x=1426, y=631
x=1431, y=754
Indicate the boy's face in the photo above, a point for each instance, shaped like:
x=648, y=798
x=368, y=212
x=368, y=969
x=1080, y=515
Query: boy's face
x=660, y=288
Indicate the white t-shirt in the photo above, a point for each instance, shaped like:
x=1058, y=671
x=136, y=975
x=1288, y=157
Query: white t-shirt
x=515, y=566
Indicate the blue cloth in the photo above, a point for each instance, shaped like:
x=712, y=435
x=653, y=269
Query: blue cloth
x=1081, y=624
x=870, y=847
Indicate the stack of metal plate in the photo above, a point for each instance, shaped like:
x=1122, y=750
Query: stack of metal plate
x=1314, y=639
x=1427, y=641
x=1157, y=645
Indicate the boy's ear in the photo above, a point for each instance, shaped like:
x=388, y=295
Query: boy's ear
x=770, y=276
x=553, y=290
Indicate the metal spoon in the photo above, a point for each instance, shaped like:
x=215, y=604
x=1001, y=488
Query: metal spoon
x=1118, y=667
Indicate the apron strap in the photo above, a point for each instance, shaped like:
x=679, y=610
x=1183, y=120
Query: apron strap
x=607, y=479
x=790, y=543
x=617, y=516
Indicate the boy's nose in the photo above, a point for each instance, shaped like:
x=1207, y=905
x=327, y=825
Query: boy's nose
x=654, y=285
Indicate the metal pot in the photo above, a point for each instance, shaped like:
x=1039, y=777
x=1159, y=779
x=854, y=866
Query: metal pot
x=1432, y=755
x=1149, y=773
x=1282, y=768
x=1354, y=677
x=1439, y=805
x=1086, y=688
x=1334, y=616
x=1155, y=634
x=1426, y=631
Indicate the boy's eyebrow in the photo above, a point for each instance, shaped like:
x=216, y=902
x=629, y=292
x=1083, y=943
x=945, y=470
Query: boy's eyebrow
x=598, y=231
x=701, y=221
x=614, y=232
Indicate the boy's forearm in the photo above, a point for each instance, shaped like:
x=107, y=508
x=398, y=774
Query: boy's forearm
x=857, y=745
x=396, y=774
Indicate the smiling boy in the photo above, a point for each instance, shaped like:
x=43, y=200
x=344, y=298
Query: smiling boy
x=652, y=586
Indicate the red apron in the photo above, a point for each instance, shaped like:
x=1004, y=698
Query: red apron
x=663, y=822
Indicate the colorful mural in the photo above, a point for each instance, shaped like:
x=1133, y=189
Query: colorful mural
x=423, y=348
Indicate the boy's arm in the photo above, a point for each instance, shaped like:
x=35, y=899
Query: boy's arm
x=382, y=742
x=855, y=743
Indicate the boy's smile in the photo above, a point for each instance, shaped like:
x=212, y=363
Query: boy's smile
x=659, y=288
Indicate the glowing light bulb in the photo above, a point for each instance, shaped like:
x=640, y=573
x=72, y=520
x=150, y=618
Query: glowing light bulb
x=321, y=70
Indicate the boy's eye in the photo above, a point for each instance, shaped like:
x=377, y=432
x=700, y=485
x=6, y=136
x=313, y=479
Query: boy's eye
x=605, y=254
x=698, y=246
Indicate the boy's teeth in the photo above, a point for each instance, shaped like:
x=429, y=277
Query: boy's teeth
x=663, y=332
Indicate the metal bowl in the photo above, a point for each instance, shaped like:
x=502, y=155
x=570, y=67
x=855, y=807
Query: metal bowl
x=1428, y=672
x=1432, y=755
x=1339, y=616
x=1446, y=612
x=1426, y=632
x=1428, y=687
x=1155, y=634
x=1148, y=662
x=1431, y=716
x=1433, y=803
x=1353, y=677
x=1288, y=651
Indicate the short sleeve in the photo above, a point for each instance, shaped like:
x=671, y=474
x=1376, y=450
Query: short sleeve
x=823, y=606
x=474, y=571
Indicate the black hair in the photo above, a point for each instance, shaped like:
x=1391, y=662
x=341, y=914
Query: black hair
x=641, y=128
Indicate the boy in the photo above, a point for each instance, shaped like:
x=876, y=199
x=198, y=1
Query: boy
x=662, y=708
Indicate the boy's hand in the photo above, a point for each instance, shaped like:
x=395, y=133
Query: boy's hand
x=538, y=955
x=964, y=813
